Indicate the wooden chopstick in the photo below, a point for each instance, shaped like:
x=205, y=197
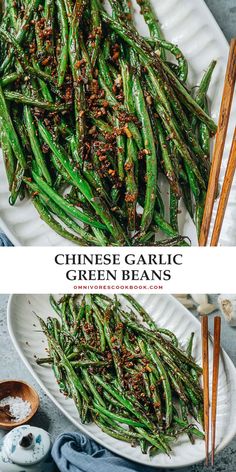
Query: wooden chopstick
x=205, y=365
x=224, y=196
x=225, y=109
x=216, y=359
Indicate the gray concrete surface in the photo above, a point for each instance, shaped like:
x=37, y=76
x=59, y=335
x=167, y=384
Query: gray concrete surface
x=224, y=12
x=50, y=418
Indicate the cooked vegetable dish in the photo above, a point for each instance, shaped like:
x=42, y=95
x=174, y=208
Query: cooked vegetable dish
x=123, y=372
x=92, y=114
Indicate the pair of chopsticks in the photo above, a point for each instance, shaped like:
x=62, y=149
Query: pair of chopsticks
x=206, y=396
x=227, y=98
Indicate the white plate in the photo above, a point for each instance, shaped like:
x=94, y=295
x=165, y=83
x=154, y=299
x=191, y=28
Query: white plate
x=190, y=24
x=167, y=312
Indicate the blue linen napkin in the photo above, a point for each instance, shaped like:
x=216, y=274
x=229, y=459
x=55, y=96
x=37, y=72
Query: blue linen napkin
x=4, y=241
x=74, y=452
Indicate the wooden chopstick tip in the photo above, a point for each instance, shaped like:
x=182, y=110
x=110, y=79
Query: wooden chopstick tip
x=215, y=379
x=205, y=365
x=225, y=193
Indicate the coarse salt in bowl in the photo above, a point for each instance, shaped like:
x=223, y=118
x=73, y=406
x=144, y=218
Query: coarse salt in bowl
x=21, y=402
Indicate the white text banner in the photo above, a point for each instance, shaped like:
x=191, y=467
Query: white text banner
x=117, y=270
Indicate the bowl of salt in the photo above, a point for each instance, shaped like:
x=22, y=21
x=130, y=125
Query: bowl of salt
x=18, y=403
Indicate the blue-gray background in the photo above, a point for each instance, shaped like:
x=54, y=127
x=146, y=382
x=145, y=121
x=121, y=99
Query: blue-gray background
x=224, y=12
x=50, y=418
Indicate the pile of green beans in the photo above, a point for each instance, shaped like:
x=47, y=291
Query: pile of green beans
x=92, y=114
x=123, y=372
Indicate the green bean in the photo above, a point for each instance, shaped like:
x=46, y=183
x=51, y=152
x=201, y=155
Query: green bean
x=17, y=183
x=26, y=100
x=35, y=72
x=63, y=59
x=152, y=22
x=114, y=352
x=192, y=180
x=194, y=430
x=117, y=418
x=10, y=131
x=65, y=362
x=203, y=88
x=66, y=206
x=92, y=177
x=97, y=31
x=204, y=135
x=100, y=207
x=157, y=441
x=127, y=78
x=204, y=138
x=20, y=36
x=131, y=195
x=35, y=144
x=175, y=130
x=190, y=345
x=182, y=149
x=199, y=211
x=8, y=157
x=184, y=413
x=76, y=397
x=47, y=218
x=100, y=327
x=182, y=70
x=124, y=401
x=69, y=9
x=10, y=78
x=131, y=126
x=100, y=236
x=123, y=435
x=61, y=214
x=151, y=163
x=111, y=400
x=54, y=304
x=185, y=378
x=156, y=398
x=164, y=225
x=166, y=384
x=167, y=162
x=168, y=350
x=174, y=201
x=120, y=152
x=148, y=55
x=75, y=57
x=96, y=395
x=11, y=7
x=147, y=319
x=192, y=105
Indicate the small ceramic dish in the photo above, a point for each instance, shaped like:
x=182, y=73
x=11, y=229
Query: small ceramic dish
x=17, y=388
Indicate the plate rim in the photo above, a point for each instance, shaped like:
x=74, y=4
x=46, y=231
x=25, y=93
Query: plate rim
x=231, y=367
x=220, y=38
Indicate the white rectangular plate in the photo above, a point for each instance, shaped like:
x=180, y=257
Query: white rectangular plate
x=190, y=25
x=167, y=312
